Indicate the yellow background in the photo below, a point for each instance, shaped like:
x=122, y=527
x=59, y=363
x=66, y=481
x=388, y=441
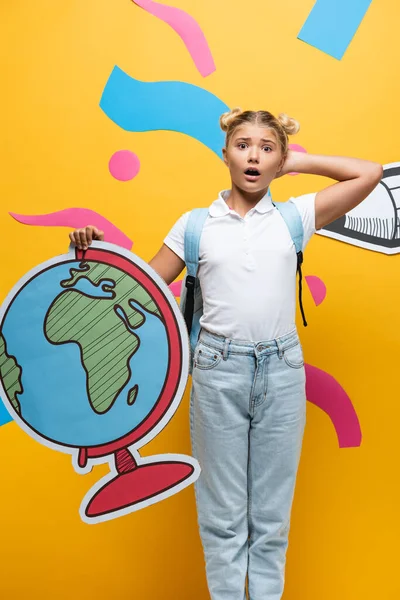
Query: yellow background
x=56, y=143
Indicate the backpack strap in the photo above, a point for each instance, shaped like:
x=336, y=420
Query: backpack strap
x=290, y=214
x=193, y=232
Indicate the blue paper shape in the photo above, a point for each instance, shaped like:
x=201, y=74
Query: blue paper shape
x=4, y=415
x=332, y=25
x=164, y=105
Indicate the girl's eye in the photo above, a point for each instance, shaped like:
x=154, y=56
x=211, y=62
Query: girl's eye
x=267, y=148
x=242, y=145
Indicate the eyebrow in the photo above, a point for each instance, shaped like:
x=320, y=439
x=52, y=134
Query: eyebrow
x=246, y=139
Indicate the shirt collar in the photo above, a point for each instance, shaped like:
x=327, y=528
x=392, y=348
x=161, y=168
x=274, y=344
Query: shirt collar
x=219, y=207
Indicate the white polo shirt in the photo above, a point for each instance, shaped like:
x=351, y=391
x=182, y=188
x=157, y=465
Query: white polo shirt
x=247, y=268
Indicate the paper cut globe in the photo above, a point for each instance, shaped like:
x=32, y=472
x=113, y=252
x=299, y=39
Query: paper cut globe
x=94, y=358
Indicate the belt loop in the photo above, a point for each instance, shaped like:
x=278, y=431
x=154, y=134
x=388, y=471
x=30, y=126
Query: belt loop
x=280, y=347
x=226, y=349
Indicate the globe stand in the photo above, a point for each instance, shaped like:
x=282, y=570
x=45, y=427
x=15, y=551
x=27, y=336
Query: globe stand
x=136, y=483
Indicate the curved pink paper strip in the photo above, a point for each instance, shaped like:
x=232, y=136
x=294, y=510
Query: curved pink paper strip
x=317, y=288
x=77, y=218
x=176, y=288
x=188, y=30
x=325, y=392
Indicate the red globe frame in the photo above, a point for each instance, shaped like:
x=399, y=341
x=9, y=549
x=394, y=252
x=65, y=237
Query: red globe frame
x=173, y=375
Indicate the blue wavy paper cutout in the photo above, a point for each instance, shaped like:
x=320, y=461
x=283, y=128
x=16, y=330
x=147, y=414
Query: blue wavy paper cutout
x=332, y=24
x=164, y=105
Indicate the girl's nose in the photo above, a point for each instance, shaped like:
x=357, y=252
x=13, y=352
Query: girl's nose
x=254, y=155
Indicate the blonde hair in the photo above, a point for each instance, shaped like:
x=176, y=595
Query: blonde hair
x=283, y=125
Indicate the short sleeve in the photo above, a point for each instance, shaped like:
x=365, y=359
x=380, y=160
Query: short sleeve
x=175, y=239
x=306, y=208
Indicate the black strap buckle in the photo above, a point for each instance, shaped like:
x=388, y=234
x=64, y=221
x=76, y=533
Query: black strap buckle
x=190, y=281
x=299, y=258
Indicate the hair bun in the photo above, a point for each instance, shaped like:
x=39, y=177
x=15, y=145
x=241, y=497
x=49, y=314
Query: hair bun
x=289, y=125
x=227, y=118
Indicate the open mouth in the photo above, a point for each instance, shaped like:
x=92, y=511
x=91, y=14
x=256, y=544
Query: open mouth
x=252, y=174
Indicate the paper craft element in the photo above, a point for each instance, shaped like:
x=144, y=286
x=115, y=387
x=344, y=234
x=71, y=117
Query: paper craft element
x=375, y=223
x=77, y=218
x=332, y=25
x=4, y=415
x=124, y=165
x=95, y=359
x=325, y=392
x=136, y=105
x=317, y=288
x=9, y=373
x=176, y=288
x=188, y=30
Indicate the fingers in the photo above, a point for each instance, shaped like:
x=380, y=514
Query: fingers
x=75, y=237
x=89, y=231
x=82, y=238
x=95, y=234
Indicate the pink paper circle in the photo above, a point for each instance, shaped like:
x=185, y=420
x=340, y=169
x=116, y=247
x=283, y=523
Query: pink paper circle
x=124, y=165
x=296, y=148
x=317, y=288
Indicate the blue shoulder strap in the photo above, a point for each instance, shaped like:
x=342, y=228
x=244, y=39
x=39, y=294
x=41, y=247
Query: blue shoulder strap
x=290, y=214
x=193, y=231
x=292, y=218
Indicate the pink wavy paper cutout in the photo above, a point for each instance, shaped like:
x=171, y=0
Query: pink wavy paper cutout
x=317, y=288
x=325, y=392
x=188, y=30
x=77, y=218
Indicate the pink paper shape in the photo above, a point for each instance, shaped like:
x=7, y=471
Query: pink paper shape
x=317, y=288
x=296, y=148
x=124, y=165
x=188, y=30
x=77, y=218
x=176, y=288
x=325, y=392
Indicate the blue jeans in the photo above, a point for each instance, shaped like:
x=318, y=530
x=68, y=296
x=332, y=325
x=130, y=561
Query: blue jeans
x=247, y=418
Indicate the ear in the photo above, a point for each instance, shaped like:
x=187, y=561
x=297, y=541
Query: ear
x=225, y=155
x=282, y=163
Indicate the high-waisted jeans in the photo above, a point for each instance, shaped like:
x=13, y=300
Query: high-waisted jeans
x=247, y=417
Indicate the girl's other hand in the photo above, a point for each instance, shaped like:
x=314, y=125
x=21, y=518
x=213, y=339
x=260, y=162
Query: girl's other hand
x=82, y=238
x=289, y=164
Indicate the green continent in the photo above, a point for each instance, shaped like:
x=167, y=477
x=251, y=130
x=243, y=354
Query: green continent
x=106, y=343
x=10, y=373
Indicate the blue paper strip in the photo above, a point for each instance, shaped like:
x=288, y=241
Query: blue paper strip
x=332, y=25
x=164, y=105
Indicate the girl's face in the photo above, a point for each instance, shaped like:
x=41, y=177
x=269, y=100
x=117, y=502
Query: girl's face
x=254, y=157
